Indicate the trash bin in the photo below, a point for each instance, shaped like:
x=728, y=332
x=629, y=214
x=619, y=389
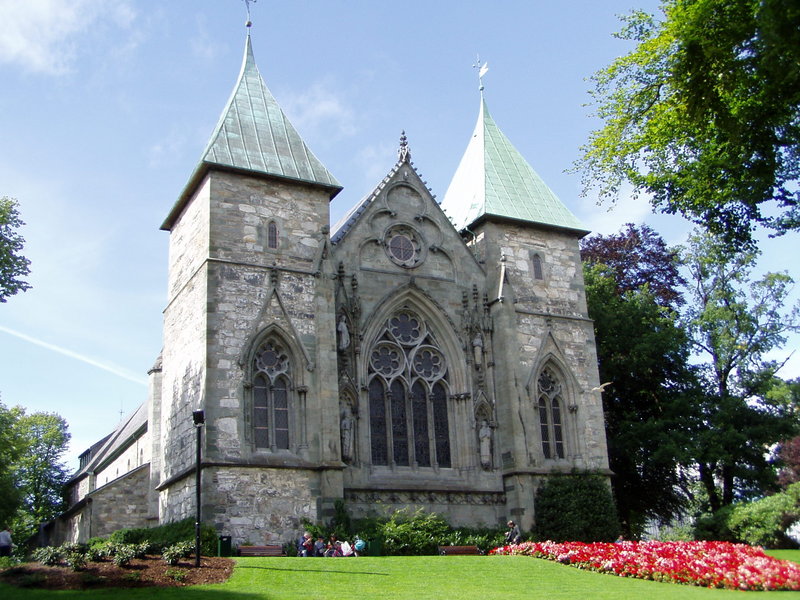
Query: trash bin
x=224, y=546
x=374, y=547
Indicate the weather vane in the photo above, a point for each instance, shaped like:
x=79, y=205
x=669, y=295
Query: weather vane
x=482, y=70
x=247, y=5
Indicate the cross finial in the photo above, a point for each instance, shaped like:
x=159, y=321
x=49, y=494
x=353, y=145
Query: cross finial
x=482, y=69
x=404, y=152
x=249, y=23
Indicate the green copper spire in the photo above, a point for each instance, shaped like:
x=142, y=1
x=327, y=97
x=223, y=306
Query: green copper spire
x=494, y=180
x=254, y=135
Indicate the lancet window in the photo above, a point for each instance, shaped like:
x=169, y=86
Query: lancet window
x=272, y=235
x=408, y=395
x=272, y=388
x=538, y=273
x=550, y=405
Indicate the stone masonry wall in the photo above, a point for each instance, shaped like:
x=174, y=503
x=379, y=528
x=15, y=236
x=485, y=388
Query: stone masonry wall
x=134, y=456
x=260, y=505
x=121, y=504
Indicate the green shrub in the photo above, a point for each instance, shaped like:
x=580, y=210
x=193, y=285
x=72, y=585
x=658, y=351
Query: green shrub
x=171, y=533
x=764, y=522
x=141, y=549
x=49, y=556
x=407, y=533
x=96, y=553
x=714, y=526
x=124, y=554
x=173, y=554
x=176, y=574
x=576, y=508
x=7, y=562
x=75, y=560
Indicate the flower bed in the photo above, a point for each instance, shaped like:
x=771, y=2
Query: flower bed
x=708, y=564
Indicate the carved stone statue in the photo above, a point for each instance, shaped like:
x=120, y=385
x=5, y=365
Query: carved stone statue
x=344, y=334
x=477, y=348
x=485, y=437
x=347, y=428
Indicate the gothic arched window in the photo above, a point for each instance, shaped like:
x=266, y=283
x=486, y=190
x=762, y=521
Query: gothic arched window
x=407, y=394
x=272, y=235
x=271, y=397
x=538, y=273
x=549, y=405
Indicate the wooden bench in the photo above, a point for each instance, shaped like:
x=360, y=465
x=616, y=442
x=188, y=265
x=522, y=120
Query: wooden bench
x=261, y=551
x=459, y=550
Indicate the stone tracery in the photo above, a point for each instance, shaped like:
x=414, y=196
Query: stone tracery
x=408, y=392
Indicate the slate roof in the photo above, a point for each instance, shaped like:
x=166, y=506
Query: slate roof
x=494, y=180
x=254, y=135
x=109, y=446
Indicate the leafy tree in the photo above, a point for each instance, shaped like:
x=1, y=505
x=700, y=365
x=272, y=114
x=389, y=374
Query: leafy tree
x=788, y=455
x=10, y=451
x=13, y=266
x=702, y=116
x=650, y=404
x=734, y=322
x=40, y=472
x=638, y=256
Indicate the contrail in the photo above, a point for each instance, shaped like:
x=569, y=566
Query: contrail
x=85, y=359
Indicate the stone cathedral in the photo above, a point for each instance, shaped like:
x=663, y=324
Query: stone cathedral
x=412, y=355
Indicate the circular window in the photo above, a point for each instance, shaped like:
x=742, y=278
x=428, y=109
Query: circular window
x=407, y=328
x=401, y=247
x=404, y=246
x=387, y=359
x=429, y=363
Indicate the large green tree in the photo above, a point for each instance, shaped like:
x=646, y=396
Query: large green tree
x=703, y=115
x=734, y=321
x=40, y=471
x=13, y=265
x=650, y=403
x=10, y=451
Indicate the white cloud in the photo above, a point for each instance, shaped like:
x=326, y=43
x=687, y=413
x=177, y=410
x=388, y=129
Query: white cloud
x=318, y=113
x=43, y=36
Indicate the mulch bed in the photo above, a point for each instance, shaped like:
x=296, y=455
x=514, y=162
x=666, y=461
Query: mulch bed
x=146, y=572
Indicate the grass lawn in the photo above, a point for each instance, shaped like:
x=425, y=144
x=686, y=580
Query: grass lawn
x=410, y=578
x=792, y=555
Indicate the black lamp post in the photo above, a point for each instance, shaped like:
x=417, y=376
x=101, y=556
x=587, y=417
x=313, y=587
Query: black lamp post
x=199, y=418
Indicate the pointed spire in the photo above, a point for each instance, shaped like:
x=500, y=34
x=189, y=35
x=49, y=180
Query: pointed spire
x=494, y=180
x=254, y=135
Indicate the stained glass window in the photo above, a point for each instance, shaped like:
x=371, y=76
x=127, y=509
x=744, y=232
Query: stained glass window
x=549, y=406
x=271, y=406
x=377, y=422
x=408, y=397
x=537, y=267
x=272, y=235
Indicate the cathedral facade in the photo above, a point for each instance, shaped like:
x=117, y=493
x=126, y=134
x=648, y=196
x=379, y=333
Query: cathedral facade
x=412, y=355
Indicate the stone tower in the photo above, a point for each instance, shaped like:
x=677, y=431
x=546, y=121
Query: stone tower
x=542, y=342
x=249, y=329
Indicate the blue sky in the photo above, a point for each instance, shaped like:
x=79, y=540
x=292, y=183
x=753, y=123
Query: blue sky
x=105, y=108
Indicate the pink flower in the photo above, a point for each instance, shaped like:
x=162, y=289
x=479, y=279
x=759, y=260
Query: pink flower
x=709, y=564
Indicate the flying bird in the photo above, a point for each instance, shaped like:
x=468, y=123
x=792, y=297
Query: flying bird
x=601, y=387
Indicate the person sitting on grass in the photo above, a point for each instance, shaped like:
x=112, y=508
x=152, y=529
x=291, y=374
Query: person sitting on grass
x=319, y=546
x=305, y=545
